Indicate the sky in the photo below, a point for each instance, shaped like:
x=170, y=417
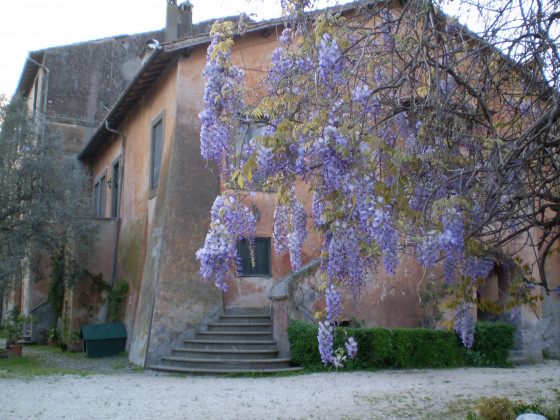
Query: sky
x=30, y=25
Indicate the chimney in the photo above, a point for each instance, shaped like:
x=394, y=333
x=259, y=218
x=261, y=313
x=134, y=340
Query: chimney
x=185, y=25
x=171, y=21
x=179, y=20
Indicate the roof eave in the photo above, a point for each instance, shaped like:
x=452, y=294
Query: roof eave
x=92, y=145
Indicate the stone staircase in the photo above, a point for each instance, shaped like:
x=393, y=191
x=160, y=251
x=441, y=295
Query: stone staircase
x=517, y=358
x=27, y=340
x=235, y=343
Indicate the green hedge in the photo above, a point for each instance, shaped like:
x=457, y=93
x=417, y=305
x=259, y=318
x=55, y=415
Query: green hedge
x=492, y=342
x=406, y=347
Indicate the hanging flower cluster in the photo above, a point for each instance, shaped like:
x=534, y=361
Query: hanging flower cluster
x=230, y=222
x=221, y=96
x=464, y=324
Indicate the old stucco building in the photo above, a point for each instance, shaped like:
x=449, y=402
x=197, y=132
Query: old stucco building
x=153, y=193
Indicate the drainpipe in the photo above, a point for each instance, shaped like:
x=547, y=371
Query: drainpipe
x=42, y=136
x=45, y=91
x=118, y=220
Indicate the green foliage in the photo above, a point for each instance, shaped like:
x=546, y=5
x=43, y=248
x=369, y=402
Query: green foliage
x=3, y=333
x=419, y=347
x=495, y=408
x=115, y=299
x=406, y=347
x=431, y=296
x=15, y=323
x=45, y=196
x=57, y=287
x=63, y=325
x=492, y=342
x=374, y=347
x=304, y=345
x=90, y=298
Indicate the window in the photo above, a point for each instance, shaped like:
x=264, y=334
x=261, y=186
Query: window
x=35, y=93
x=156, y=152
x=99, y=191
x=246, y=133
x=261, y=248
x=115, y=185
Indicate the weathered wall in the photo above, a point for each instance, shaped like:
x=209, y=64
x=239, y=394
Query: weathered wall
x=84, y=80
x=170, y=299
x=550, y=309
x=184, y=198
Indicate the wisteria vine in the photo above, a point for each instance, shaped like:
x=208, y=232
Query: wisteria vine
x=386, y=178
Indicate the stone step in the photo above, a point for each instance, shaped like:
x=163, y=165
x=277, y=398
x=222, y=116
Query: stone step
x=193, y=353
x=244, y=319
x=240, y=326
x=517, y=358
x=234, y=335
x=27, y=341
x=221, y=371
x=230, y=344
x=247, y=364
x=235, y=343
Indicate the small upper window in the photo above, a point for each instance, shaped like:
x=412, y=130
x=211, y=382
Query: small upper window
x=115, y=185
x=156, y=151
x=99, y=194
x=248, y=132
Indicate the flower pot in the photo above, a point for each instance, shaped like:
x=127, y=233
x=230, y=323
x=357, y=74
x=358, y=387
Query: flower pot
x=75, y=346
x=16, y=349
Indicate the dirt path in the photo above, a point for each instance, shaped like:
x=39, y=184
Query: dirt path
x=415, y=394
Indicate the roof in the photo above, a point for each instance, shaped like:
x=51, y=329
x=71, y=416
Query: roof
x=145, y=78
x=30, y=70
x=163, y=54
x=103, y=331
x=157, y=62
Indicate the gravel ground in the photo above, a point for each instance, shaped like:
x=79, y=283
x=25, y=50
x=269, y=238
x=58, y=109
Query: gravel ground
x=116, y=390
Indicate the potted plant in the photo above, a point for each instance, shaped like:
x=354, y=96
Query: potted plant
x=54, y=337
x=15, y=323
x=75, y=344
x=64, y=328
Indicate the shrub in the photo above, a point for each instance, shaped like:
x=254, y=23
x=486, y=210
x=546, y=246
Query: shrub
x=115, y=299
x=406, y=347
x=304, y=345
x=492, y=342
x=496, y=408
x=374, y=347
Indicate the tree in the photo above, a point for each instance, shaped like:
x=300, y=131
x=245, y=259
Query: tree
x=414, y=134
x=45, y=206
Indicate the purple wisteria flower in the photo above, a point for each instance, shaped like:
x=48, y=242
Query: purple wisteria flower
x=428, y=250
x=514, y=314
x=330, y=64
x=286, y=37
x=298, y=234
x=387, y=28
x=230, y=221
x=220, y=95
x=325, y=337
x=464, y=324
x=478, y=267
x=351, y=348
x=333, y=301
x=280, y=229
